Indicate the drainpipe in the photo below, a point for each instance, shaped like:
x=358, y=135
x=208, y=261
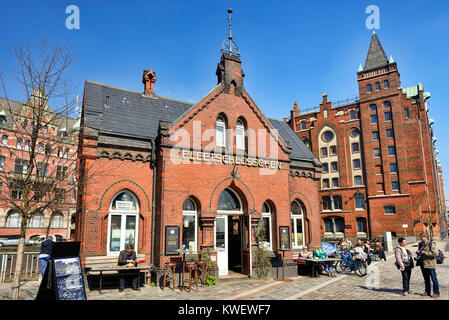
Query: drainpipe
x=153, y=208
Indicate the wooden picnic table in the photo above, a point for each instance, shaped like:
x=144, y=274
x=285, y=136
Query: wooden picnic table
x=137, y=270
x=315, y=261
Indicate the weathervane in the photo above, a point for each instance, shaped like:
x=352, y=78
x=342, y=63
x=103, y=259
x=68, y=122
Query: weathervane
x=229, y=46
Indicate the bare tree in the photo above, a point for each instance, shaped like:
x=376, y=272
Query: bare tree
x=44, y=169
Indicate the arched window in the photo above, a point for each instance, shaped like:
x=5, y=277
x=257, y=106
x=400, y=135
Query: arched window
x=352, y=115
x=220, y=132
x=228, y=201
x=328, y=136
x=189, y=225
x=36, y=220
x=265, y=234
x=387, y=104
x=13, y=219
x=57, y=220
x=4, y=139
x=240, y=135
x=377, y=84
x=372, y=107
x=297, y=218
x=123, y=222
x=386, y=84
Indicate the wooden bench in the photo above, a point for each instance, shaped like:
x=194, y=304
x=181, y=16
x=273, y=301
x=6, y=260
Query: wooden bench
x=107, y=265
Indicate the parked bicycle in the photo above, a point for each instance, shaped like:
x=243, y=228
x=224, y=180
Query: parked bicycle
x=348, y=264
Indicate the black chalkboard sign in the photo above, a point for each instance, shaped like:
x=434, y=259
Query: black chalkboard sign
x=171, y=240
x=63, y=278
x=284, y=237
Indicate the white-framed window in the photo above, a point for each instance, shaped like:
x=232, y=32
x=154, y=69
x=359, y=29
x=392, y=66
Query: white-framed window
x=60, y=152
x=297, y=218
x=19, y=144
x=240, y=135
x=220, y=132
x=66, y=153
x=40, y=147
x=26, y=146
x=123, y=224
x=36, y=221
x=389, y=210
x=57, y=221
x=265, y=227
x=13, y=219
x=189, y=225
x=334, y=227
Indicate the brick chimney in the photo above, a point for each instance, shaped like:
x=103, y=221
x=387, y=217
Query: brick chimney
x=148, y=79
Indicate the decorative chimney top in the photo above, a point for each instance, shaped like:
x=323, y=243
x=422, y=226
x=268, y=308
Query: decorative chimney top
x=148, y=79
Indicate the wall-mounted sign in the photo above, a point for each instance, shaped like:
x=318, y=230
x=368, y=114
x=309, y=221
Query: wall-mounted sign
x=284, y=237
x=123, y=205
x=405, y=226
x=210, y=157
x=171, y=240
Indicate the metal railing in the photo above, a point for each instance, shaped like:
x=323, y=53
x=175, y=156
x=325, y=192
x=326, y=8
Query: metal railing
x=31, y=268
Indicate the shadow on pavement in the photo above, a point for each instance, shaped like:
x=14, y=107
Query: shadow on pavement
x=398, y=291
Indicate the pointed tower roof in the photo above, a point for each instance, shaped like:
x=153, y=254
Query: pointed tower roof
x=376, y=55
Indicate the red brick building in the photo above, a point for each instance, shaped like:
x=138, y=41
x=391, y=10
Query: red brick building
x=56, y=150
x=380, y=170
x=163, y=174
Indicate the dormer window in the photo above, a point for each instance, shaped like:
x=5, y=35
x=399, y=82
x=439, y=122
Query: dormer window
x=2, y=117
x=63, y=133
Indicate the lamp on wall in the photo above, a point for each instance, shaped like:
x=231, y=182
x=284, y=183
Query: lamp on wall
x=235, y=173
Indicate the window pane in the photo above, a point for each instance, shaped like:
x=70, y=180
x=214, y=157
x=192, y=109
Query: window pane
x=264, y=229
x=395, y=185
x=361, y=225
x=387, y=116
x=188, y=232
x=295, y=208
x=391, y=150
x=303, y=125
x=358, y=180
x=386, y=84
x=373, y=107
x=406, y=113
x=334, y=166
x=240, y=139
x=374, y=118
x=390, y=133
x=333, y=150
x=116, y=225
x=375, y=135
x=228, y=201
x=130, y=231
x=393, y=168
x=376, y=152
x=220, y=232
x=356, y=163
x=360, y=201
x=377, y=86
x=298, y=232
x=389, y=210
x=188, y=205
x=328, y=225
x=123, y=201
x=220, y=136
x=335, y=182
x=340, y=225
x=387, y=104
x=352, y=115
x=355, y=147
x=325, y=167
x=324, y=152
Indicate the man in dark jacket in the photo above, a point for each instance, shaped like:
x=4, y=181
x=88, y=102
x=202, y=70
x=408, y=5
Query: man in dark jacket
x=45, y=253
x=126, y=257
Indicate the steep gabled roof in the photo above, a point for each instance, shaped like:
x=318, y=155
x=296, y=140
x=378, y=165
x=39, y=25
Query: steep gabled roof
x=126, y=112
x=299, y=149
x=376, y=55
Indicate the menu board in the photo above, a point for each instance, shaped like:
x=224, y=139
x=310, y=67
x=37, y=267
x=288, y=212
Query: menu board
x=171, y=240
x=68, y=277
x=284, y=237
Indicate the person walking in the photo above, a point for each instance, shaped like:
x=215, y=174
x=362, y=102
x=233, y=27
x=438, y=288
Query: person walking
x=45, y=253
x=404, y=262
x=427, y=254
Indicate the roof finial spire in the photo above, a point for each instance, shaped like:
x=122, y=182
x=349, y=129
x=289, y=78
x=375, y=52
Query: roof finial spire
x=229, y=46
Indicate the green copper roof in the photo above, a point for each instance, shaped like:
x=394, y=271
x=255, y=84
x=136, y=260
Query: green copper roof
x=3, y=113
x=434, y=139
x=391, y=59
x=360, y=68
x=431, y=121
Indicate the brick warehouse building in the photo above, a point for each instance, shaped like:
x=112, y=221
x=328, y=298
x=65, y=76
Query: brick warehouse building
x=380, y=169
x=163, y=174
x=60, y=134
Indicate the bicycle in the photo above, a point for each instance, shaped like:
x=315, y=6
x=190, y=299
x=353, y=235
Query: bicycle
x=349, y=263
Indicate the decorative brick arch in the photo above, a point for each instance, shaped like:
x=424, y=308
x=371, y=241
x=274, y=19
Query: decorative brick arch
x=304, y=200
x=239, y=187
x=126, y=184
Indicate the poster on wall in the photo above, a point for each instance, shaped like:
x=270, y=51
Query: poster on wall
x=171, y=240
x=284, y=237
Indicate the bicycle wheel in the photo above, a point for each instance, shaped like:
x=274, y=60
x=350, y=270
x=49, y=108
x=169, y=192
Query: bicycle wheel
x=341, y=266
x=361, y=268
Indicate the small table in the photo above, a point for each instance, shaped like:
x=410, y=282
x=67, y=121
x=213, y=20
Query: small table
x=183, y=254
x=137, y=270
x=314, y=262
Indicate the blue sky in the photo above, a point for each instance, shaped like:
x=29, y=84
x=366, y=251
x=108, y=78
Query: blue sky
x=291, y=50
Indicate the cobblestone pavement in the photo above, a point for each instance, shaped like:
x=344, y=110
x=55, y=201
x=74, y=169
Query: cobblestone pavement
x=383, y=282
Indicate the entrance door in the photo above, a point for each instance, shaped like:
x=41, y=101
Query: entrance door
x=235, y=243
x=221, y=244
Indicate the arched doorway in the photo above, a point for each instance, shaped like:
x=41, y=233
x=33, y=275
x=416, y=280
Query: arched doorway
x=231, y=234
x=123, y=222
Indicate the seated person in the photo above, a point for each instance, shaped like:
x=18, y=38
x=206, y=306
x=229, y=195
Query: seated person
x=126, y=257
x=359, y=253
x=379, y=249
x=320, y=254
x=305, y=253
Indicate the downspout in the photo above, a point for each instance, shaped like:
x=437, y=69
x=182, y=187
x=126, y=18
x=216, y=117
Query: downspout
x=153, y=206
